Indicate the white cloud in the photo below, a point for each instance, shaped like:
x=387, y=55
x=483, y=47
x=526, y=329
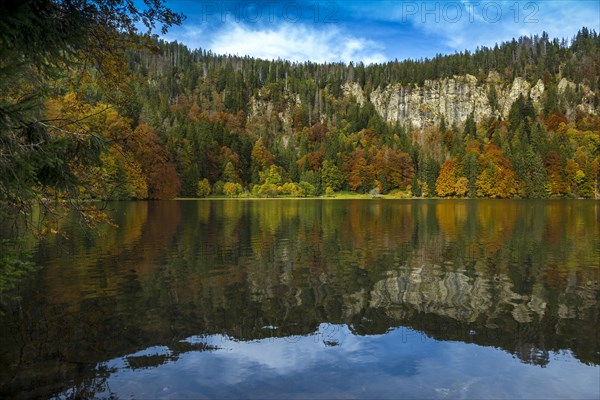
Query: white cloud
x=190, y=35
x=295, y=42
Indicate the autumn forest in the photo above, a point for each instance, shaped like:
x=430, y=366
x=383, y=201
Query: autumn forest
x=192, y=128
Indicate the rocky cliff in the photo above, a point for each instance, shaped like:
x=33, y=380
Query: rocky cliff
x=457, y=97
x=453, y=98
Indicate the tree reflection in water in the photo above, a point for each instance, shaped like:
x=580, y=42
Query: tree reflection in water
x=521, y=276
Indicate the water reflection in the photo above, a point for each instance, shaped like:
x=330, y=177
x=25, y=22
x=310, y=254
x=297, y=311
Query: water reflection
x=396, y=296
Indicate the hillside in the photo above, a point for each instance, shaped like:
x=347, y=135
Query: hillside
x=391, y=127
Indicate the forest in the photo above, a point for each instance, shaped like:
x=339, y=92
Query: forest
x=198, y=111
x=120, y=114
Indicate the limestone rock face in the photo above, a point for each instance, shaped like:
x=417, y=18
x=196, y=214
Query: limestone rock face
x=354, y=89
x=457, y=97
x=564, y=84
x=261, y=109
x=519, y=87
x=453, y=98
x=537, y=93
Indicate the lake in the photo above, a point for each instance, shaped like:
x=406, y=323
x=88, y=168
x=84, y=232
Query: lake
x=304, y=299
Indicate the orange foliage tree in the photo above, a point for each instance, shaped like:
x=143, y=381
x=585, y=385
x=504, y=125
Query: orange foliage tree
x=261, y=156
x=357, y=171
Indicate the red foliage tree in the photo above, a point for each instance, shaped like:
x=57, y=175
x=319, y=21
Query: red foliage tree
x=395, y=166
x=155, y=160
x=555, y=171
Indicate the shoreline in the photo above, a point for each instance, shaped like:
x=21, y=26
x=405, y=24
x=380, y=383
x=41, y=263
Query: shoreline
x=359, y=197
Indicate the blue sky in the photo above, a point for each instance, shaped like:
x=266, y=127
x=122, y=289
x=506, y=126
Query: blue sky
x=370, y=31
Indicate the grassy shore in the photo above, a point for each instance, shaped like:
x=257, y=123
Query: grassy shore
x=335, y=196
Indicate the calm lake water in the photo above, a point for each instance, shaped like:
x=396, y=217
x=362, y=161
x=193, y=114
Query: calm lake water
x=314, y=299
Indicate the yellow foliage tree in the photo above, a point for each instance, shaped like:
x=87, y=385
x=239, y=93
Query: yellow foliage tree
x=446, y=182
x=232, y=189
x=462, y=186
x=498, y=180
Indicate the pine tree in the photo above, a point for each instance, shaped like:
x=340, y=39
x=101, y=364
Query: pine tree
x=229, y=174
x=470, y=130
x=471, y=172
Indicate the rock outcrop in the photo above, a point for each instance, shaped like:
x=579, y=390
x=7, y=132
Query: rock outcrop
x=457, y=97
x=453, y=98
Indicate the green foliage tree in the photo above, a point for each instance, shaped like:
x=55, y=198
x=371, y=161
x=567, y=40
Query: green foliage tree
x=471, y=171
x=307, y=189
x=273, y=177
x=229, y=173
x=203, y=188
x=331, y=177
x=551, y=100
x=470, y=130
x=218, y=188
